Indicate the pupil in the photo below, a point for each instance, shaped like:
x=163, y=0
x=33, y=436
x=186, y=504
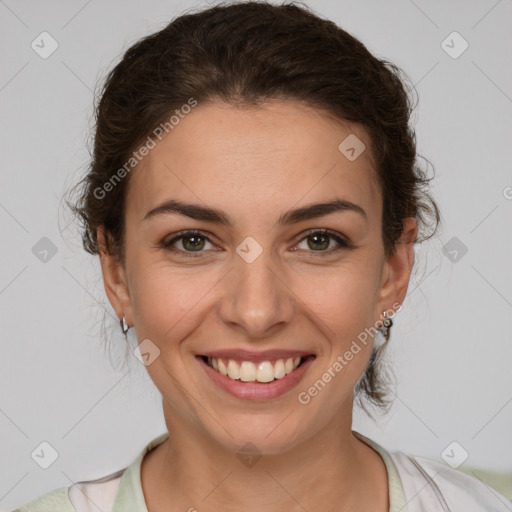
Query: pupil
x=195, y=244
x=325, y=238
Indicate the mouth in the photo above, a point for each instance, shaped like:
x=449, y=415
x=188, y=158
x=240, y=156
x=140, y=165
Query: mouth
x=256, y=376
x=264, y=371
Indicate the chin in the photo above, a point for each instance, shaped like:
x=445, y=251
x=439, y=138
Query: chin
x=263, y=434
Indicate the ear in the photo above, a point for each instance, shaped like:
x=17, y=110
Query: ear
x=397, y=269
x=114, y=278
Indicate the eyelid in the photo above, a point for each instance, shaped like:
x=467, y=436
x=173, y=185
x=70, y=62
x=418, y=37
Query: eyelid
x=342, y=241
x=324, y=231
x=187, y=232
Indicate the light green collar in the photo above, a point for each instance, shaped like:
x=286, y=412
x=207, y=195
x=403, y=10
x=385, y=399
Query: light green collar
x=130, y=498
x=397, y=501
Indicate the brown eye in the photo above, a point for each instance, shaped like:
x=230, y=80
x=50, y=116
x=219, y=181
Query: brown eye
x=187, y=242
x=192, y=242
x=321, y=241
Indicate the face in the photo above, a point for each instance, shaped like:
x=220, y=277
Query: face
x=254, y=272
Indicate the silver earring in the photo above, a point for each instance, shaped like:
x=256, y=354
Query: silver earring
x=386, y=326
x=124, y=325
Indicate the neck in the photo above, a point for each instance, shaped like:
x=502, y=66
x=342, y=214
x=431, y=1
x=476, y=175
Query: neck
x=333, y=468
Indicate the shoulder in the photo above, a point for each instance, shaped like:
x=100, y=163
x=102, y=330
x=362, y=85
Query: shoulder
x=80, y=497
x=430, y=485
x=53, y=501
x=120, y=491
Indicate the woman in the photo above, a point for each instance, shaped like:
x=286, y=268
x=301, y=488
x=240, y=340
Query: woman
x=254, y=200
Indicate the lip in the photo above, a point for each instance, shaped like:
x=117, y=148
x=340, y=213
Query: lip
x=258, y=390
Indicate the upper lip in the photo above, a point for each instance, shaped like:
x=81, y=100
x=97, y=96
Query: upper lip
x=248, y=355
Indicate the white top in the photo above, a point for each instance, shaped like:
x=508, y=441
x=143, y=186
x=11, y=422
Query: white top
x=415, y=485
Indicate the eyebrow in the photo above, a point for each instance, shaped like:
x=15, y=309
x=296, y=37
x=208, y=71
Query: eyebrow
x=205, y=213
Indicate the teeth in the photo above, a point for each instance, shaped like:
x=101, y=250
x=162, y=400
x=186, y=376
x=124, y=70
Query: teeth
x=248, y=371
x=233, y=370
x=279, y=371
x=265, y=372
x=222, y=367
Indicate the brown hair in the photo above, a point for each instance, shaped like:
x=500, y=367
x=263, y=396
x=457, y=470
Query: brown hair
x=243, y=54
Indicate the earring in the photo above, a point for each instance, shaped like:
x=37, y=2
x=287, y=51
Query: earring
x=386, y=326
x=124, y=325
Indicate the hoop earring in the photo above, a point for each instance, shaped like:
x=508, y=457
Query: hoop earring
x=124, y=325
x=386, y=326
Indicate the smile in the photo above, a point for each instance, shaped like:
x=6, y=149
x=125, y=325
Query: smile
x=256, y=376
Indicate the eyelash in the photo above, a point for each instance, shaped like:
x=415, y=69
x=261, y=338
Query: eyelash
x=343, y=243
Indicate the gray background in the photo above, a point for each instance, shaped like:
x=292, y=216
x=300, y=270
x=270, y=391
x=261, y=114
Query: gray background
x=451, y=347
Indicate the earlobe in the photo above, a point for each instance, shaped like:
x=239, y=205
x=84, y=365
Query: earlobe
x=114, y=278
x=399, y=266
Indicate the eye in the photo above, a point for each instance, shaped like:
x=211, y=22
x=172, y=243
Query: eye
x=320, y=241
x=187, y=242
x=193, y=241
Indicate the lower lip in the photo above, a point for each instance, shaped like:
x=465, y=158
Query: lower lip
x=258, y=390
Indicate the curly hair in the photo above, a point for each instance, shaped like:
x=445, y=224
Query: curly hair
x=245, y=53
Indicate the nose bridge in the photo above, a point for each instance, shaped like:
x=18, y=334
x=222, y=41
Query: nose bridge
x=258, y=298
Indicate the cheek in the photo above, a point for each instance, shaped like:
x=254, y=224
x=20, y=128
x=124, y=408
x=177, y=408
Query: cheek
x=165, y=300
x=342, y=305
x=343, y=300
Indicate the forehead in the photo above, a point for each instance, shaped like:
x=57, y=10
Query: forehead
x=252, y=159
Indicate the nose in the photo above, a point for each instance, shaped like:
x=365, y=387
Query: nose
x=257, y=300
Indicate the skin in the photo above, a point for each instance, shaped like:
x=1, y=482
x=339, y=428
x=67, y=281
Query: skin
x=254, y=164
